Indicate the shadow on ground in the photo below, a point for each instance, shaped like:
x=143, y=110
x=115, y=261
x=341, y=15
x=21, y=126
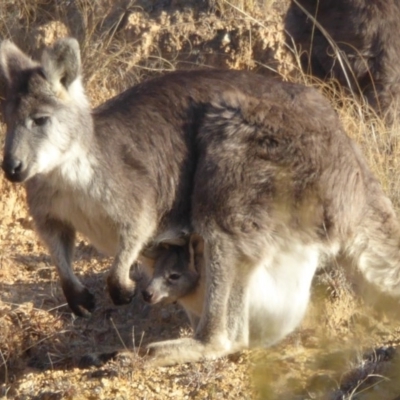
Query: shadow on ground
x=37, y=329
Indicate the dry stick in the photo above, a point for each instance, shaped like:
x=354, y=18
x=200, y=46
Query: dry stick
x=141, y=340
x=266, y=66
x=57, y=307
x=19, y=305
x=35, y=308
x=136, y=352
x=5, y=367
x=51, y=361
x=312, y=39
x=172, y=68
x=353, y=392
x=42, y=340
x=119, y=336
x=133, y=339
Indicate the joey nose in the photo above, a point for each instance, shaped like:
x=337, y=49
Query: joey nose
x=147, y=296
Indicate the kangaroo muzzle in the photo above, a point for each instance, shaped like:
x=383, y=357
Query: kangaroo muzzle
x=14, y=169
x=148, y=296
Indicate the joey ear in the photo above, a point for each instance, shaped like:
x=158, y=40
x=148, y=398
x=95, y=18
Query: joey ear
x=62, y=63
x=196, y=251
x=197, y=244
x=153, y=251
x=179, y=241
x=12, y=62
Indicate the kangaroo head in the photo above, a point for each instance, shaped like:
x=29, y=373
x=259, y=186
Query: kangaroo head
x=44, y=107
x=174, y=275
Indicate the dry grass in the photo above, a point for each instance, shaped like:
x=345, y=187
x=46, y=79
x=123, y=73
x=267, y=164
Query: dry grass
x=45, y=353
x=250, y=7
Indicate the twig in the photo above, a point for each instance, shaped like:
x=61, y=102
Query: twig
x=119, y=336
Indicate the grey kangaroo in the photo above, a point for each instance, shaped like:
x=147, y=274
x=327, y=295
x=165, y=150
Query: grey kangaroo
x=262, y=170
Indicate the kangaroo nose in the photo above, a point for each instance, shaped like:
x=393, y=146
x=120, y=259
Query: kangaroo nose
x=13, y=169
x=11, y=166
x=147, y=296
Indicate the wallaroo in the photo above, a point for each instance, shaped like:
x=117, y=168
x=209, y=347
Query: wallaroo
x=353, y=41
x=262, y=170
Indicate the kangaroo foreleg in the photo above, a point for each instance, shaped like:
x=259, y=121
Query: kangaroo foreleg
x=131, y=241
x=60, y=239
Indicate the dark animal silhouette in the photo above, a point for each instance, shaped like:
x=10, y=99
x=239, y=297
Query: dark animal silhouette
x=365, y=32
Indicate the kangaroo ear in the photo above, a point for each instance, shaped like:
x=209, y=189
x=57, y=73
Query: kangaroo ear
x=12, y=62
x=154, y=251
x=196, y=250
x=182, y=240
x=62, y=63
x=197, y=244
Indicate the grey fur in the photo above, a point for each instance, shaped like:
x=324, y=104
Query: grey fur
x=261, y=169
x=178, y=275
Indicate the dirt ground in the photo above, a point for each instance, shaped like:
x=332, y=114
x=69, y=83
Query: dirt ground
x=345, y=349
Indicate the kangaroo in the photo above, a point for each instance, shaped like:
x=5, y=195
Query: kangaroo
x=261, y=169
x=178, y=275
x=369, y=48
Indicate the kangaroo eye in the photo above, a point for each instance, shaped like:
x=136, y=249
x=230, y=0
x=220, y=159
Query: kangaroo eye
x=174, y=277
x=40, y=121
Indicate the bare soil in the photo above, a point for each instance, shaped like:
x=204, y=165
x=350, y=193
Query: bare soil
x=344, y=349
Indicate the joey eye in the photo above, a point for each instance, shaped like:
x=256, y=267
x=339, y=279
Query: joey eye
x=174, y=277
x=40, y=121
